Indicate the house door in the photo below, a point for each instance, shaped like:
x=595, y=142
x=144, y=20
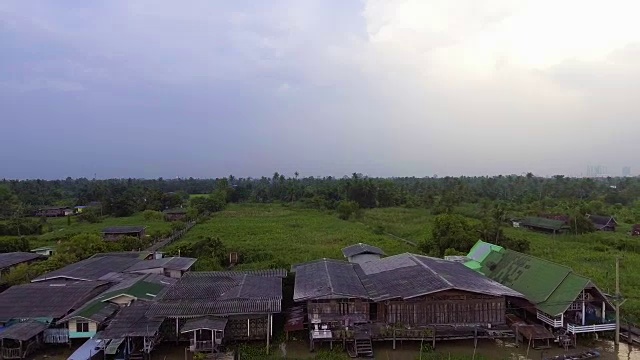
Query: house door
x=373, y=311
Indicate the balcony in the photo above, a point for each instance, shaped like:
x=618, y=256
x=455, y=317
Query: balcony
x=580, y=329
x=556, y=322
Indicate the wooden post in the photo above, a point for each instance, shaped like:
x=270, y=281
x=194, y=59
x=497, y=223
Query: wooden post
x=394, y=338
x=433, y=343
x=517, y=334
x=475, y=338
x=267, y=331
x=583, y=307
x=213, y=340
x=604, y=317
x=177, y=332
x=617, y=337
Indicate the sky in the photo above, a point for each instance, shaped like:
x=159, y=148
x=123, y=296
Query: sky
x=154, y=88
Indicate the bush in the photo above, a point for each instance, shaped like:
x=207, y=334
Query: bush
x=90, y=215
x=19, y=227
x=16, y=244
x=152, y=215
x=346, y=209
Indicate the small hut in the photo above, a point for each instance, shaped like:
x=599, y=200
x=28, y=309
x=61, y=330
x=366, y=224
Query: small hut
x=206, y=333
x=20, y=340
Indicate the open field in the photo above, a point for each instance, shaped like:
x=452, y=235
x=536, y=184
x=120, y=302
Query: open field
x=60, y=229
x=278, y=234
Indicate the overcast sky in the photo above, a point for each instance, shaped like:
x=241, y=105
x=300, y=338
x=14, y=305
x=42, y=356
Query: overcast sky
x=148, y=88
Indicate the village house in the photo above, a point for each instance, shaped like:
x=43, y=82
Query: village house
x=210, y=308
x=54, y=211
x=10, y=260
x=550, y=226
x=603, y=223
x=118, y=232
x=179, y=214
x=88, y=319
x=44, y=251
x=91, y=269
x=29, y=314
x=360, y=253
x=554, y=294
x=405, y=296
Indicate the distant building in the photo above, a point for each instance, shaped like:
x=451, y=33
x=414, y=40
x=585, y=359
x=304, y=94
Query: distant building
x=626, y=171
x=603, y=223
x=54, y=211
x=179, y=214
x=118, y=232
x=361, y=253
x=44, y=251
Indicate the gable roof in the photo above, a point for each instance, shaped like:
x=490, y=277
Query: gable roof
x=206, y=322
x=219, y=293
x=168, y=263
x=92, y=268
x=14, y=258
x=361, y=248
x=602, y=221
x=123, y=229
x=46, y=300
x=327, y=279
x=401, y=276
x=144, y=287
x=543, y=223
x=550, y=286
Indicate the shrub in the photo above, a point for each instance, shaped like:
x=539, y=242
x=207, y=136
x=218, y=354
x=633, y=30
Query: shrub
x=346, y=209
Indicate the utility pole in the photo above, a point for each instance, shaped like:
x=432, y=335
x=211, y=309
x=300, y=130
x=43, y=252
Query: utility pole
x=618, y=301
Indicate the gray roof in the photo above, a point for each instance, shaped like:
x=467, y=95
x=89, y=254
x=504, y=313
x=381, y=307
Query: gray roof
x=90, y=269
x=46, y=300
x=168, y=263
x=361, y=248
x=206, y=322
x=23, y=331
x=220, y=293
x=129, y=254
x=14, y=258
x=281, y=273
x=402, y=276
x=123, y=229
x=131, y=321
x=327, y=279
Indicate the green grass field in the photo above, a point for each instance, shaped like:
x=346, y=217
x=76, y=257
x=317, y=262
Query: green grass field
x=60, y=229
x=264, y=234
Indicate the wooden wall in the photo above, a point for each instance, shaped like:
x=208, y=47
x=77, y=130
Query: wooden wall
x=338, y=307
x=450, y=307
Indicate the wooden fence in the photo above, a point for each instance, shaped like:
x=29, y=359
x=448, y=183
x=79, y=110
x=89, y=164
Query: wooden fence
x=174, y=237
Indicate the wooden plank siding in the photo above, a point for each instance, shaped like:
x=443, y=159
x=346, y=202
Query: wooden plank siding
x=338, y=307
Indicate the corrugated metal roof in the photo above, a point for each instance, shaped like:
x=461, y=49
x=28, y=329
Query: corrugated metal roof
x=543, y=223
x=401, y=276
x=14, y=258
x=132, y=321
x=23, y=331
x=361, y=248
x=45, y=300
x=220, y=293
x=168, y=263
x=206, y=322
x=91, y=269
x=550, y=286
x=325, y=279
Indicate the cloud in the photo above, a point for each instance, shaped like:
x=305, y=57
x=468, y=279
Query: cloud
x=384, y=87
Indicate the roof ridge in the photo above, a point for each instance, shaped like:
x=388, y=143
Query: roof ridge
x=326, y=268
x=244, y=277
x=539, y=258
x=415, y=259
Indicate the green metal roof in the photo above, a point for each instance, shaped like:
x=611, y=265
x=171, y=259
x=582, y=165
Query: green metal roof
x=551, y=286
x=544, y=223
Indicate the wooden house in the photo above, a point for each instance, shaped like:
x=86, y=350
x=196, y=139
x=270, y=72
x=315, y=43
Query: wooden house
x=554, y=294
x=550, y=226
x=404, y=296
x=10, y=260
x=118, y=232
x=603, y=223
x=22, y=339
x=360, y=253
x=131, y=334
x=92, y=316
x=179, y=214
x=211, y=308
x=103, y=268
x=53, y=211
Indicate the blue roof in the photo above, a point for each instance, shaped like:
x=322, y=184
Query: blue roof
x=90, y=348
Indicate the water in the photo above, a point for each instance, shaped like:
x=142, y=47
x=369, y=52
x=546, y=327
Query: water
x=497, y=349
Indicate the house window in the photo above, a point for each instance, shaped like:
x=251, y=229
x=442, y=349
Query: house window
x=82, y=327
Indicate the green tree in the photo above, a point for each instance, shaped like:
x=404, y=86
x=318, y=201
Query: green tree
x=83, y=246
x=451, y=231
x=580, y=224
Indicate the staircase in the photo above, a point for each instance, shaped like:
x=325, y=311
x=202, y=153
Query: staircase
x=363, y=347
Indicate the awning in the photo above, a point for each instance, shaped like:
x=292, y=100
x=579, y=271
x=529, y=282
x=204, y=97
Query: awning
x=113, y=346
x=207, y=322
x=23, y=331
